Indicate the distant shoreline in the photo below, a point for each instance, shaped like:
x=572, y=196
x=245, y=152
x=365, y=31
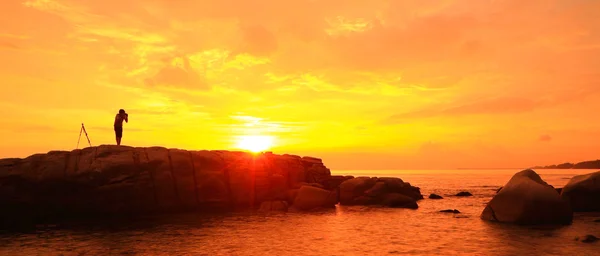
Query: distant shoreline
x=595, y=164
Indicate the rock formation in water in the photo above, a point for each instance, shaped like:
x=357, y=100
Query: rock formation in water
x=463, y=194
x=435, y=196
x=391, y=192
x=121, y=180
x=583, y=192
x=527, y=199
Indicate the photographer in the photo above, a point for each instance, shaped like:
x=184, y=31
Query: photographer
x=119, y=124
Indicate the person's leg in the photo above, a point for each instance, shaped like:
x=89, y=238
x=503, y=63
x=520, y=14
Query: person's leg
x=119, y=134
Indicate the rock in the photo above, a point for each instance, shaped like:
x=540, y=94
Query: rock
x=434, y=196
x=590, y=239
x=526, y=199
x=375, y=191
x=450, y=211
x=310, y=198
x=598, y=220
x=583, y=192
x=121, y=180
x=464, y=193
x=273, y=206
x=396, y=185
x=315, y=170
x=353, y=188
x=316, y=185
x=558, y=190
x=497, y=191
x=334, y=182
x=364, y=200
x=396, y=200
x=290, y=195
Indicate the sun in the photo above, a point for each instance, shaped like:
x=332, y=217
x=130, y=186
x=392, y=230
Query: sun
x=255, y=143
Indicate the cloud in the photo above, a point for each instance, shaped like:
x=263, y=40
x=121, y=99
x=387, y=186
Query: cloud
x=499, y=105
x=9, y=45
x=545, y=138
x=258, y=40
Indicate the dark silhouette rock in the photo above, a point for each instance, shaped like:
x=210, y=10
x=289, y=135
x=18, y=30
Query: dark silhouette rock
x=526, y=199
x=450, y=211
x=375, y=191
x=120, y=180
x=464, y=193
x=598, y=220
x=497, y=191
x=583, y=192
x=310, y=198
x=589, y=239
x=378, y=189
x=396, y=200
x=354, y=188
x=334, y=182
x=434, y=196
x=558, y=190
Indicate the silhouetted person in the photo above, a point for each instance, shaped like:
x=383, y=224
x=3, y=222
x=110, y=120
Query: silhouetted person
x=119, y=124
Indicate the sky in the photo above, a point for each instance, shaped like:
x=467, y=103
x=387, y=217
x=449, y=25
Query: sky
x=377, y=84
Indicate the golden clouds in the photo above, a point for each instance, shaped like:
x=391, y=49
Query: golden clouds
x=334, y=75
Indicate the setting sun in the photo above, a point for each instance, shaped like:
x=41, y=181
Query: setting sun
x=255, y=143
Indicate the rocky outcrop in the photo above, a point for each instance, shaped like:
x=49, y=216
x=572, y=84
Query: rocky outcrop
x=392, y=192
x=527, y=199
x=583, y=192
x=121, y=180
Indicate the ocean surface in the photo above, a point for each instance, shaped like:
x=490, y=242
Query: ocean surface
x=352, y=230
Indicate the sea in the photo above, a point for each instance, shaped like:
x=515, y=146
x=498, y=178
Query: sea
x=345, y=230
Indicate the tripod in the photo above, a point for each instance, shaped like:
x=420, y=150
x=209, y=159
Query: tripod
x=86, y=135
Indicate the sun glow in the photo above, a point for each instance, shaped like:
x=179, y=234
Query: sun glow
x=255, y=143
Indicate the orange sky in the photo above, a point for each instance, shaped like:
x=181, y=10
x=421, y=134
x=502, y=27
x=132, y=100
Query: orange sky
x=362, y=84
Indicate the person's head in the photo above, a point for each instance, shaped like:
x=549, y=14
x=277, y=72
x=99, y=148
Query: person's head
x=121, y=111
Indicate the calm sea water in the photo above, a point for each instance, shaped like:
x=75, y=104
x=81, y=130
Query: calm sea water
x=344, y=231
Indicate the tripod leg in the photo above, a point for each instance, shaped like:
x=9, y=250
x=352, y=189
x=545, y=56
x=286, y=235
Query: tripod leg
x=80, y=130
x=86, y=135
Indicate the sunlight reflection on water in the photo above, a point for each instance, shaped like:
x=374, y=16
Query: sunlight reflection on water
x=343, y=231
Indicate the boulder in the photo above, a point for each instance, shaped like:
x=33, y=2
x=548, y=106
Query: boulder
x=310, y=198
x=464, y=193
x=583, y=192
x=396, y=185
x=334, y=181
x=353, y=188
x=434, y=196
x=526, y=199
x=396, y=200
x=368, y=191
x=450, y=211
x=378, y=189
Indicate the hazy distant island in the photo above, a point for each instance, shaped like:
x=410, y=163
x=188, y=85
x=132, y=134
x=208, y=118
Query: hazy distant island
x=595, y=164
